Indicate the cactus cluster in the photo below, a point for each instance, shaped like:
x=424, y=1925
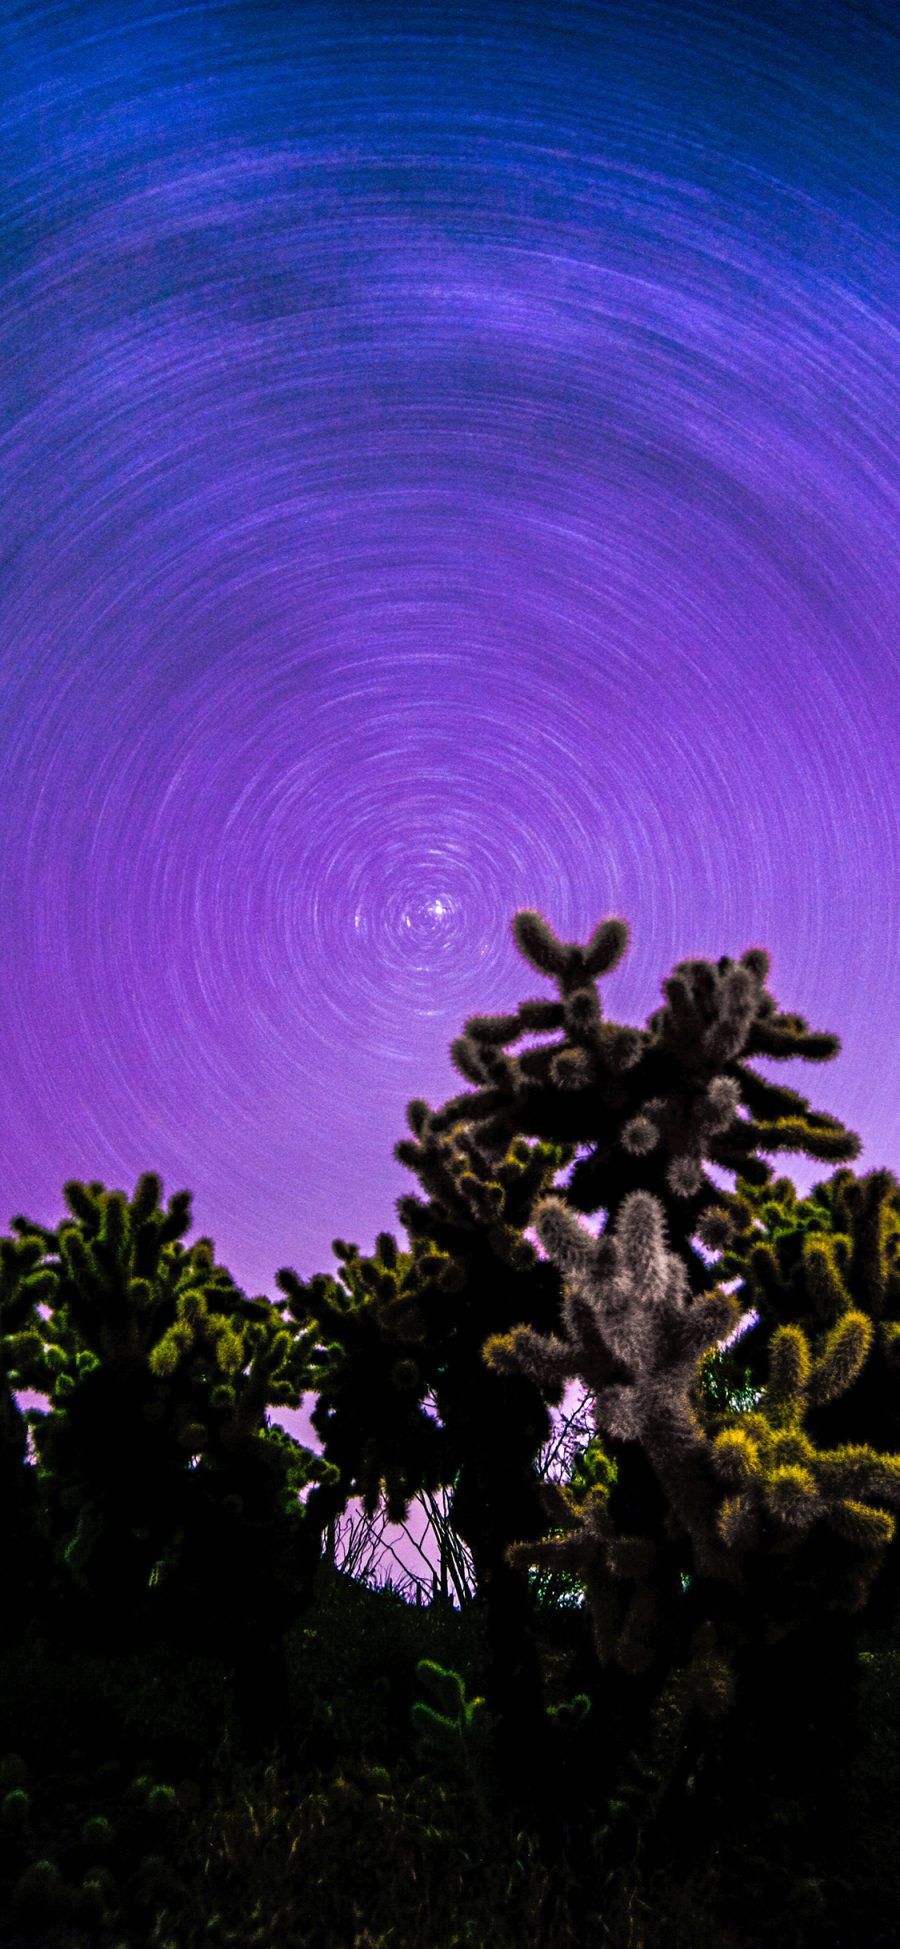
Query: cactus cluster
x=405, y=1400
x=741, y=1485
x=750, y=1501
x=705, y=1519
x=165, y=1497
x=371, y=1366
x=648, y=1109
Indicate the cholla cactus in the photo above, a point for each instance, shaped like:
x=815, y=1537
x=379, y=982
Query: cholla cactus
x=396, y=1338
x=631, y=1334
x=769, y=1525
x=783, y=1486
x=372, y=1367
x=165, y=1494
x=400, y=1343
x=822, y=1275
x=648, y=1108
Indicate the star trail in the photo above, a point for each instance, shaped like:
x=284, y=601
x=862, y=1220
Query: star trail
x=449, y=462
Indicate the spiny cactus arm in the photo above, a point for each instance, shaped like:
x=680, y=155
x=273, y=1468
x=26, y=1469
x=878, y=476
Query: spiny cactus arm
x=842, y=1358
x=765, y=1099
x=475, y=1106
x=540, y=1017
x=44, y=1235
x=579, y=1534
x=714, y=1109
x=738, y=1524
x=792, y=1496
x=873, y=1204
x=709, y=1011
x=869, y=1529
x=857, y=1471
x=492, y=1029
x=165, y=1358
x=567, y=1242
x=606, y=947
x=824, y=1265
x=790, y=1369
x=787, y=1036
x=642, y=1262
x=24, y=1280
x=526, y=1172
x=815, y=1135
x=177, y=1218
x=535, y=939
x=84, y=1204
x=700, y=1328
x=542, y=1357
x=740, y=1451
x=553, y=1553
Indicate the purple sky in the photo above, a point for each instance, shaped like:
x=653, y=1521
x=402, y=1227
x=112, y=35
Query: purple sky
x=449, y=462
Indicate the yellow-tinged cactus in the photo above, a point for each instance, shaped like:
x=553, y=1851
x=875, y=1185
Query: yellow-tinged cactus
x=738, y=1455
x=790, y=1365
x=824, y=1274
x=868, y=1529
x=643, y=1352
x=791, y=1496
x=229, y=1349
x=846, y=1348
x=165, y=1356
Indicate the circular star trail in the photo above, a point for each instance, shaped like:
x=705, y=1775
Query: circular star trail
x=449, y=463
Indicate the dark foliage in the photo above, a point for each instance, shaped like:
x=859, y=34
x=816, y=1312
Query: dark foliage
x=207, y=1735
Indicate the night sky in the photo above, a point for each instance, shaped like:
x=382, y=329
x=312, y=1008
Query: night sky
x=449, y=463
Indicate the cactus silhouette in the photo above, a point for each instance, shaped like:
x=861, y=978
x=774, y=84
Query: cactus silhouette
x=397, y=1339
x=371, y=1365
x=171, y=1506
x=647, y=1108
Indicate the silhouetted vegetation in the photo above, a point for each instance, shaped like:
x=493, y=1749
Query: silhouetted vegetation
x=666, y=1704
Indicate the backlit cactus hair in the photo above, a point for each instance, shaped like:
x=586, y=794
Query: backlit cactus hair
x=633, y=1335
x=826, y=1268
x=769, y=1525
